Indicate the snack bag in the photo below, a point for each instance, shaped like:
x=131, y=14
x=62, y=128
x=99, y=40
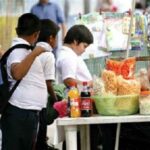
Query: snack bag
x=143, y=78
x=114, y=65
x=98, y=86
x=128, y=87
x=110, y=81
x=125, y=67
x=128, y=68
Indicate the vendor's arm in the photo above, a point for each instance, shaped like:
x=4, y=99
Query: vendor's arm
x=69, y=80
x=19, y=70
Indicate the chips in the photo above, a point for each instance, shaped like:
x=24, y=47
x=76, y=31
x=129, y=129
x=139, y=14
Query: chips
x=128, y=87
x=110, y=81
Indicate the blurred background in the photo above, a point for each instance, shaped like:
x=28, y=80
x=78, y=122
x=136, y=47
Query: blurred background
x=11, y=9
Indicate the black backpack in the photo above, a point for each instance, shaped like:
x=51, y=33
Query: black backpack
x=5, y=92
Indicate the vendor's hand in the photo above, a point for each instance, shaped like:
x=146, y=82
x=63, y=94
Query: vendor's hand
x=61, y=108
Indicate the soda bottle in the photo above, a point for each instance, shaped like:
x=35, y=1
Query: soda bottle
x=68, y=101
x=86, y=101
x=68, y=107
x=74, y=98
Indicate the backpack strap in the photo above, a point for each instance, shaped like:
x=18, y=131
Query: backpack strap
x=5, y=56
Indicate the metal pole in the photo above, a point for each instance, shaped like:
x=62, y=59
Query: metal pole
x=130, y=28
x=86, y=6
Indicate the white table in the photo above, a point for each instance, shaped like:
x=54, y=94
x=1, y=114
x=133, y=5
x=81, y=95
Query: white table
x=71, y=124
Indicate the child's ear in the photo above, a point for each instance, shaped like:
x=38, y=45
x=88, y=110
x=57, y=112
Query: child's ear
x=75, y=42
x=50, y=40
x=36, y=34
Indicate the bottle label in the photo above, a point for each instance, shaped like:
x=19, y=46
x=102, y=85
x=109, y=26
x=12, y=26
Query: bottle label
x=75, y=108
x=86, y=103
x=74, y=103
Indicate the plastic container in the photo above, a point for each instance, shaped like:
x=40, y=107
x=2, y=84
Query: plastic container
x=116, y=105
x=144, y=103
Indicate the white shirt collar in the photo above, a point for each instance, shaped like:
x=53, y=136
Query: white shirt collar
x=68, y=49
x=45, y=45
x=18, y=40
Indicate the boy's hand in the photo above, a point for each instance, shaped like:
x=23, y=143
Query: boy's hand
x=45, y=45
x=38, y=50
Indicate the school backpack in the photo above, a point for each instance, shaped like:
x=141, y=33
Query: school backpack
x=5, y=92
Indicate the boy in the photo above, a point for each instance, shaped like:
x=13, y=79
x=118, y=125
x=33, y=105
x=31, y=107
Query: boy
x=20, y=119
x=48, y=40
x=70, y=65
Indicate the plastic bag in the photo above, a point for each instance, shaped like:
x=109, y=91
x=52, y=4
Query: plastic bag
x=127, y=87
x=98, y=86
x=143, y=78
x=110, y=81
x=126, y=67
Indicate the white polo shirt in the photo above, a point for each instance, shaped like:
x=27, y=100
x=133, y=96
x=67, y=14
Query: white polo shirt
x=48, y=62
x=70, y=65
x=31, y=92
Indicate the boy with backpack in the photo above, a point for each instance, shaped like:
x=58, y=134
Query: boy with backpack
x=20, y=119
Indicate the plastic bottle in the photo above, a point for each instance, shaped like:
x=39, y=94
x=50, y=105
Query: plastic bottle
x=68, y=102
x=74, y=98
x=86, y=101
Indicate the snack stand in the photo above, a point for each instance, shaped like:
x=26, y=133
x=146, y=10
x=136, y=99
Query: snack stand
x=70, y=125
x=95, y=64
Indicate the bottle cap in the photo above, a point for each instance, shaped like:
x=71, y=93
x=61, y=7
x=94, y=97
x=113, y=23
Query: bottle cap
x=72, y=83
x=84, y=83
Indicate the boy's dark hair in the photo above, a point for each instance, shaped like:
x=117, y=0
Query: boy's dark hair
x=28, y=24
x=48, y=28
x=138, y=5
x=79, y=33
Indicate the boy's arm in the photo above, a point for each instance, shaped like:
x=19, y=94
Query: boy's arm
x=51, y=91
x=19, y=70
x=59, y=106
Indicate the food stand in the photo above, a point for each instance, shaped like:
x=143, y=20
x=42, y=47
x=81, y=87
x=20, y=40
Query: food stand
x=71, y=124
x=96, y=62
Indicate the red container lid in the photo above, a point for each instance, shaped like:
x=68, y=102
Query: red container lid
x=84, y=83
x=145, y=93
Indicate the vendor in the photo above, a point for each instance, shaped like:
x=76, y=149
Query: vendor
x=70, y=65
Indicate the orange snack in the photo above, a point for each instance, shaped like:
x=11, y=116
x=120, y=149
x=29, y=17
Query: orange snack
x=125, y=67
x=114, y=65
x=128, y=87
x=128, y=67
x=145, y=93
x=110, y=81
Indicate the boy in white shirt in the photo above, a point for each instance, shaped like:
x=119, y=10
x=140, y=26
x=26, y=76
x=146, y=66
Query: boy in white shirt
x=20, y=119
x=70, y=66
x=48, y=40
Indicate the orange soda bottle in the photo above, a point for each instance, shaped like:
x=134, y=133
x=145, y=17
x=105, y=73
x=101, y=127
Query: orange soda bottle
x=74, y=97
